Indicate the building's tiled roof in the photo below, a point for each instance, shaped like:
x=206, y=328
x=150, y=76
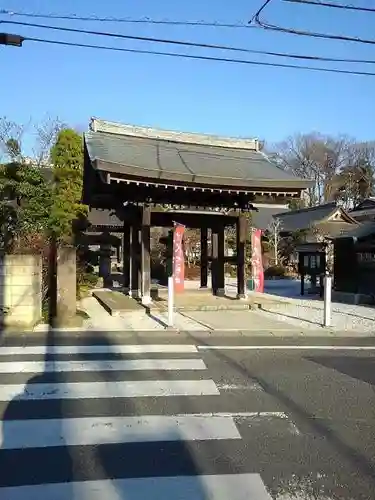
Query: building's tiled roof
x=360, y=232
x=263, y=216
x=135, y=151
x=335, y=229
x=305, y=218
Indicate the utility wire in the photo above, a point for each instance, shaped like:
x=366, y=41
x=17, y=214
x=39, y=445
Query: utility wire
x=259, y=11
x=129, y=37
x=311, y=34
x=128, y=20
x=332, y=5
x=200, y=45
x=202, y=58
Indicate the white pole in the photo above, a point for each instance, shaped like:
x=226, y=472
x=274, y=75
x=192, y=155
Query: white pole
x=276, y=252
x=170, y=301
x=327, y=300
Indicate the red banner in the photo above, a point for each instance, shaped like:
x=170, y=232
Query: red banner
x=256, y=260
x=178, y=258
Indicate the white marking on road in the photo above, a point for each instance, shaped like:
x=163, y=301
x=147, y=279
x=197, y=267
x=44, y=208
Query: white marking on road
x=246, y=414
x=210, y=487
x=100, y=365
x=104, y=430
x=98, y=349
x=256, y=415
x=242, y=387
x=284, y=348
x=93, y=390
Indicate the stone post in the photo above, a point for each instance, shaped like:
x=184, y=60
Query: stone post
x=105, y=270
x=66, y=306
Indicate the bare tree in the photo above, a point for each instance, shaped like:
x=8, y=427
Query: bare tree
x=355, y=181
x=11, y=134
x=192, y=246
x=273, y=231
x=316, y=157
x=46, y=132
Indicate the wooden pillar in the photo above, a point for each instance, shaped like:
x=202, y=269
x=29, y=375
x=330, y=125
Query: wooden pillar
x=214, y=259
x=217, y=268
x=145, y=250
x=135, y=258
x=126, y=258
x=241, y=252
x=204, y=257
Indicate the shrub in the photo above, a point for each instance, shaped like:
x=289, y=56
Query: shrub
x=86, y=279
x=275, y=272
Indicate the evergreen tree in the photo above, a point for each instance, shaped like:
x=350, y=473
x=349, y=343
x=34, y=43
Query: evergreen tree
x=25, y=201
x=67, y=159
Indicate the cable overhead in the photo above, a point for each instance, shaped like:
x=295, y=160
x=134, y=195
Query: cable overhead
x=259, y=11
x=130, y=37
x=311, y=34
x=197, y=57
x=287, y=55
x=128, y=20
x=332, y=5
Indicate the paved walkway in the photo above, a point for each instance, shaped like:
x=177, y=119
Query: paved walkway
x=280, y=315
x=245, y=322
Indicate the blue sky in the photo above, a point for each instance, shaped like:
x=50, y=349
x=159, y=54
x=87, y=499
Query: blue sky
x=218, y=98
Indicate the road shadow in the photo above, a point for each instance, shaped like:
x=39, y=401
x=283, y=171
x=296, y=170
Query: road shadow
x=20, y=462
x=97, y=470
x=142, y=460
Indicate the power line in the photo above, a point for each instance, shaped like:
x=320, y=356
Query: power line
x=197, y=57
x=130, y=37
x=199, y=45
x=128, y=20
x=258, y=23
x=259, y=11
x=317, y=3
x=311, y=34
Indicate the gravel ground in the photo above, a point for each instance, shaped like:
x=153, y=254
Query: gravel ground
x=309, y=314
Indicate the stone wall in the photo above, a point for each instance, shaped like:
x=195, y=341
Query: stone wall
x=20, y=290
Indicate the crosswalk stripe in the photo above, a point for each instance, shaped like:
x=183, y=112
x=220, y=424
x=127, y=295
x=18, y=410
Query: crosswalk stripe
x=118, y=389
x=98, y=349
x=145, y=440
x=103, y=430
x=101, y=365
x=203, y=487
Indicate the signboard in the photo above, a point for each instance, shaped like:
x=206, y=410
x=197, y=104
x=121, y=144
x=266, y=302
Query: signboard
x=256, y=260
x=178, y=258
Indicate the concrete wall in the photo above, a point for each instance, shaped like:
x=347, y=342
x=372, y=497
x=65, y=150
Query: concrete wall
x=20, y=290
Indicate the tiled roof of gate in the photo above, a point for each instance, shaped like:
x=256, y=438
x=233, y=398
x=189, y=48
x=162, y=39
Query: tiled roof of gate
x=191, y=158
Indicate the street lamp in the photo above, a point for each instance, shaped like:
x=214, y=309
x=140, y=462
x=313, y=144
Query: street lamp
x=9, y=39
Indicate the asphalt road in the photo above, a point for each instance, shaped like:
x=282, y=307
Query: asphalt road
x=159, y=419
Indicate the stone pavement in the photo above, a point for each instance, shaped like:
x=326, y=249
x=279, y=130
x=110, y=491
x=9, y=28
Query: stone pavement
x=198, y=311
x=241, y=322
